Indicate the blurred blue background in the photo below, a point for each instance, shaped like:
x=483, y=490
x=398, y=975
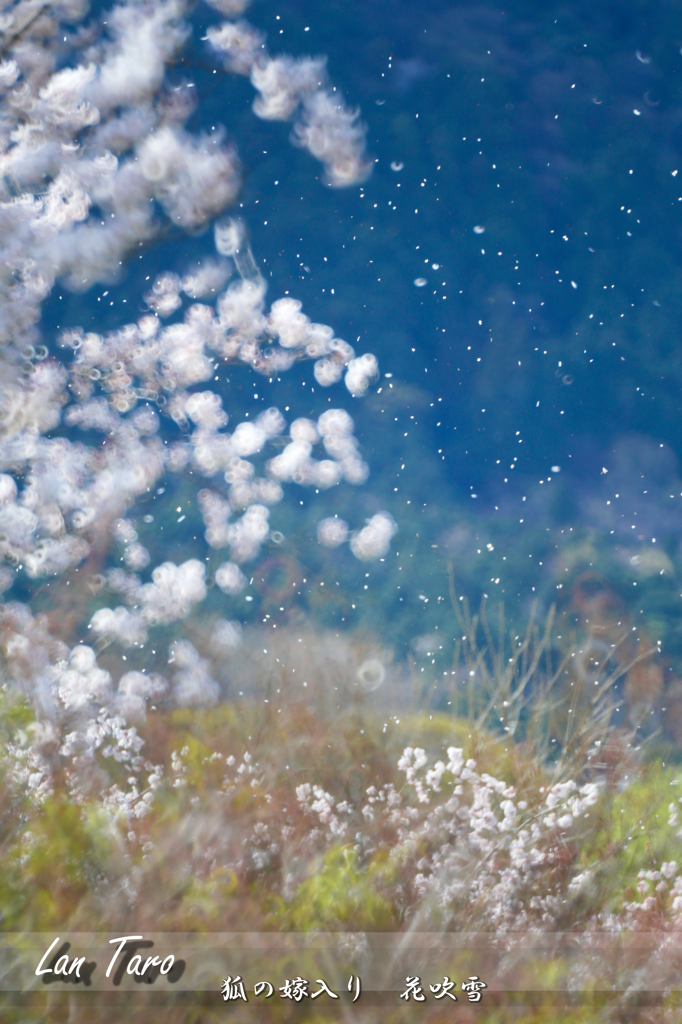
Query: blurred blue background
x=514, y=263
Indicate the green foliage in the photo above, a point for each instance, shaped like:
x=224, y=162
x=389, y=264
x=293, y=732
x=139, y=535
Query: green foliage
x=339, y=895
x=55, y=858
x=16, y=715
x=204, y=897
x=629, y=832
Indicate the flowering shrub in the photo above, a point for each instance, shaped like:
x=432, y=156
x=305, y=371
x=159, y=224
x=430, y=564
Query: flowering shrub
x=200, y=820
x=99, y=161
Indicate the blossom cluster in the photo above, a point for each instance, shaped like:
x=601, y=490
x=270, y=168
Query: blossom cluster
x=458, y=845
x=464, y=838
x=96, y=160
x=297, y=90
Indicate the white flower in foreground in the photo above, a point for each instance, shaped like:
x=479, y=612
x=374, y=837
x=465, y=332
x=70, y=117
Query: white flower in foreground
x=360, y=373
x=374, y=539
x=332, y=532
x=230, y=578
x=119, y=624
x=175, y=588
